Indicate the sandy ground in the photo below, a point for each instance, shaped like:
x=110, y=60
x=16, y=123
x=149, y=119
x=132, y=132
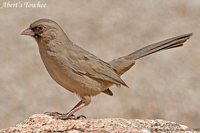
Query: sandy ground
x=165, y=85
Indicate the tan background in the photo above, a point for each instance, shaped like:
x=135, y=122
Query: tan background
x=165, y=85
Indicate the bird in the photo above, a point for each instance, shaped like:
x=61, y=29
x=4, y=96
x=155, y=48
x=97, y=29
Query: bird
x=80, y=71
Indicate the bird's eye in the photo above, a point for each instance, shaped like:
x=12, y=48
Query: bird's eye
x=39, y=28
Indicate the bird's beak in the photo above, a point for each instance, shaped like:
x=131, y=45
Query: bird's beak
x=28, y=32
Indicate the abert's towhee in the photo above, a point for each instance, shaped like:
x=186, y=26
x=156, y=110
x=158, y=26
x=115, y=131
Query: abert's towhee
x=81, y=72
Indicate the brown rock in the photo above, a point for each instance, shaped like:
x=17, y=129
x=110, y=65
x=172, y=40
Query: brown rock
x=41, y=123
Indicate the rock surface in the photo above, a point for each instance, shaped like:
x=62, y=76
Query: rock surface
x=41, y=123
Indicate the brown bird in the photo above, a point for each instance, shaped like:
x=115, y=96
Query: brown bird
x=81, y=72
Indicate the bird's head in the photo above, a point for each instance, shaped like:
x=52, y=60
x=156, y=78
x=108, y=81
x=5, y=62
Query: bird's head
x=43, y=30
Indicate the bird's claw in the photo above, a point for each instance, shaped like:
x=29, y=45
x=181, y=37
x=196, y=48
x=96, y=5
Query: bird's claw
x=81, y=117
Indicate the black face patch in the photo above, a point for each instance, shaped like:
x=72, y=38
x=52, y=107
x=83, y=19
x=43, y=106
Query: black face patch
x=38, y=29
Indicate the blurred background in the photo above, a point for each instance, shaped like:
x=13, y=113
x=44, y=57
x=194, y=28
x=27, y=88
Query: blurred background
x=165, y=85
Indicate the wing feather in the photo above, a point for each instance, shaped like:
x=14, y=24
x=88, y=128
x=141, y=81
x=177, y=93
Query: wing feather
x=85, y=63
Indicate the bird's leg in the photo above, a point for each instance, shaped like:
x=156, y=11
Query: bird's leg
x=71, y=112
x=68, y=115
x=85, y=101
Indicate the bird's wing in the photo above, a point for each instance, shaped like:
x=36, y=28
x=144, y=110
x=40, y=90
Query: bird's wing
x=85, y=63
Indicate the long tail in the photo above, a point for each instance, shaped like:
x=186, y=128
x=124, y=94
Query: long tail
x=122, y=64
x=163, y=45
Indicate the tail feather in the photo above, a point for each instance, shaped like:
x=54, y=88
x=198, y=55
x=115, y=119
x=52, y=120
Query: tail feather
x=163, y=45
x=123, y=64
x=174, y=46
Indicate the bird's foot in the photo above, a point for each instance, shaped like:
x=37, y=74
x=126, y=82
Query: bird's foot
x=52, y=113
x=68, y=117
x=64, y=116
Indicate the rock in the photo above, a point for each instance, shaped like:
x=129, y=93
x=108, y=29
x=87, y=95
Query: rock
x=41, y=123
